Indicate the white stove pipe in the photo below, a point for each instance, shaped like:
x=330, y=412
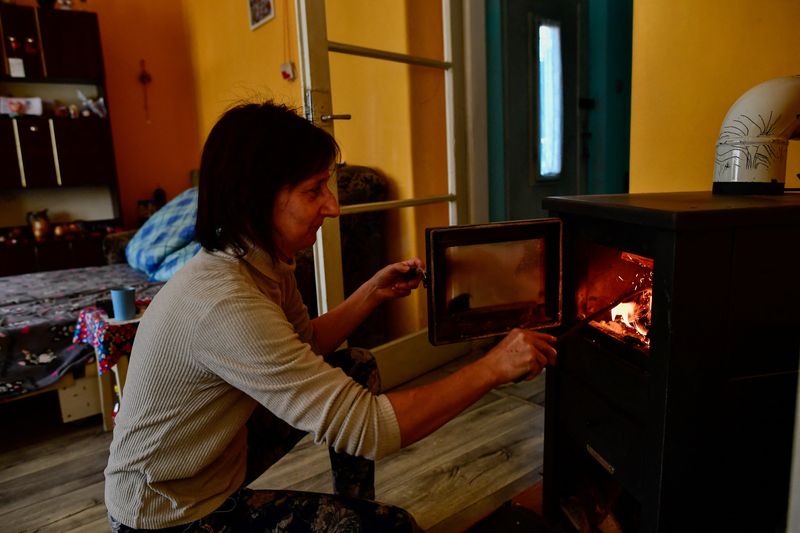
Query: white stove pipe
x=754, y=138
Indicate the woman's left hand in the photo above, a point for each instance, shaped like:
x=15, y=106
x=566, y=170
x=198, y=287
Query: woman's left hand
x=393, y=281
x=398, y=279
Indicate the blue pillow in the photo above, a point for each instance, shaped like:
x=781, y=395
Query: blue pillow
x=168, y=230
x=174, y=261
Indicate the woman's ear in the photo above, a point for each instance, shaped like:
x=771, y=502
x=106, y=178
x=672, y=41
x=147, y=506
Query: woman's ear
x=282, y=196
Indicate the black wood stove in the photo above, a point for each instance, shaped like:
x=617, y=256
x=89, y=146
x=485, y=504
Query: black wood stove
x=675, y=410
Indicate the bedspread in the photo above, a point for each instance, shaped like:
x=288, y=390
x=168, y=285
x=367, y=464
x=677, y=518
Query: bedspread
x=38, y=313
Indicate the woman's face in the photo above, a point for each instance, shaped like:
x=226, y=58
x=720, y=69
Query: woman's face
x=299, y=212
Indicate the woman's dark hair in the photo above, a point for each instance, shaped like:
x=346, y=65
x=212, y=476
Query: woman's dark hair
x=252, y=152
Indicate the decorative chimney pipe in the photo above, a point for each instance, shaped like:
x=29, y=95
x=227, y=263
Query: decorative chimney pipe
x=753, y=140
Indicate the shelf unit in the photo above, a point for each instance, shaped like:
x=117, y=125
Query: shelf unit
x=53, y=55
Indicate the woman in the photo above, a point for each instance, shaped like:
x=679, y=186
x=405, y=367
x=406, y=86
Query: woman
x=225, y=375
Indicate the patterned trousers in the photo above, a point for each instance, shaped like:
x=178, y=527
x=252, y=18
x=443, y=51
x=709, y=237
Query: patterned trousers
x=350, y=509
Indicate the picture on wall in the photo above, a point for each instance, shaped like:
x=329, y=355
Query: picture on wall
x=261, y=11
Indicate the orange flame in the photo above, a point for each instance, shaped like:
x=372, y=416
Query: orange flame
x=636, y=314
x=626, y=311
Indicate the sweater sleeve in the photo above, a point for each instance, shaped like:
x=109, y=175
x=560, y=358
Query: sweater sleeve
x=249, y=342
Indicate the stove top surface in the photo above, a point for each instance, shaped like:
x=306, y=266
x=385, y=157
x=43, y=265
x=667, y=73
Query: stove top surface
x=682, y=210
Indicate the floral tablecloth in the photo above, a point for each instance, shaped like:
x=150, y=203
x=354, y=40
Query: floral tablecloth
x=110, y=339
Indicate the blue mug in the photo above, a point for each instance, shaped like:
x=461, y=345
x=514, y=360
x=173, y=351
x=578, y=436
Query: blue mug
x=124, y=301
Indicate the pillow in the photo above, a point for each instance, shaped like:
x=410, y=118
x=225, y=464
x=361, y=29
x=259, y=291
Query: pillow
x=174, y=261
x=168, y=230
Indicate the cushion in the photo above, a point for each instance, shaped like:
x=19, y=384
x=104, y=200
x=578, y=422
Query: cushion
x=174, y=261
x=170, y=229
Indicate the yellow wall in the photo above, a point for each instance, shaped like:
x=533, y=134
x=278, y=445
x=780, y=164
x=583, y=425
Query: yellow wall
x=691, y=61
x=232, y=63
x=202, y=57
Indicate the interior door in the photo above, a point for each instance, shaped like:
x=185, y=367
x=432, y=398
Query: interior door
x=542, y=80
x=380, y=76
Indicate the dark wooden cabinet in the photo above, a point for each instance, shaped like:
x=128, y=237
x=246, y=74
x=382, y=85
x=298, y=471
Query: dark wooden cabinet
x=18, y=259
x=62, y=55
x=51, y=255
x=55, y=152
x=84, y=151
x=53, y=44
x=70, y=45
x=51, y=54
x=36, y=149
x=21, y=42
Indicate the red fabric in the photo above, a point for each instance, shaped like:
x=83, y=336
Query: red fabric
x=109, y=340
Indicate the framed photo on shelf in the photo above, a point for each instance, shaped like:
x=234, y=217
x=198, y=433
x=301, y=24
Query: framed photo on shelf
x=261, y=11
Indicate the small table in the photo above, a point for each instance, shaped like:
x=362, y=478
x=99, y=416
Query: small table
x=112, y=341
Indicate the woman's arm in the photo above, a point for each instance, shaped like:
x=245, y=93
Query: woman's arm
x=421, y=410
x=332, y=328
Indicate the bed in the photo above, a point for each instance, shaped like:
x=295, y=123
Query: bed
x=39, y=311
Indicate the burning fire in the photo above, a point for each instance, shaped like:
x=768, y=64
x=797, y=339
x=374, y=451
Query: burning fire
x=630, y=319
x=635, y=315
x=625, y=311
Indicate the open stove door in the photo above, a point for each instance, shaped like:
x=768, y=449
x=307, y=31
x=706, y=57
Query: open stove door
x=487, y=279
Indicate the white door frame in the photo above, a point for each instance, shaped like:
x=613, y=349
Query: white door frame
x=466, y=134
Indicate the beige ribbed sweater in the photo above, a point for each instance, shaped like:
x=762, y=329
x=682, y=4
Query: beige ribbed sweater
x=220, y=336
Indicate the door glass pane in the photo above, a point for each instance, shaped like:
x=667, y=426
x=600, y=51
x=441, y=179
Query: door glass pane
x=398, y=123
x=412, y=27
x=551, y=107
x=371, y=241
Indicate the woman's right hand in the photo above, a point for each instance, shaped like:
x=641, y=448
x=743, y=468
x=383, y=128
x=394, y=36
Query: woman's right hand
x=421, y=410
x=522, y=354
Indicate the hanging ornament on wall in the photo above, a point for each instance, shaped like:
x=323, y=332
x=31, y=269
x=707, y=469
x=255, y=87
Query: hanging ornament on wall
x=145, y=78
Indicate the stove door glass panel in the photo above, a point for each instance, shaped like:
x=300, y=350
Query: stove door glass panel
x=488, y=279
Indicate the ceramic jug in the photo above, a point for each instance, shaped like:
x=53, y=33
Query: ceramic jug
x=39, y=224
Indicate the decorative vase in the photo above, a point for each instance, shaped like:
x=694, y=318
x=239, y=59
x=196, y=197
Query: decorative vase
x=39, y=224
